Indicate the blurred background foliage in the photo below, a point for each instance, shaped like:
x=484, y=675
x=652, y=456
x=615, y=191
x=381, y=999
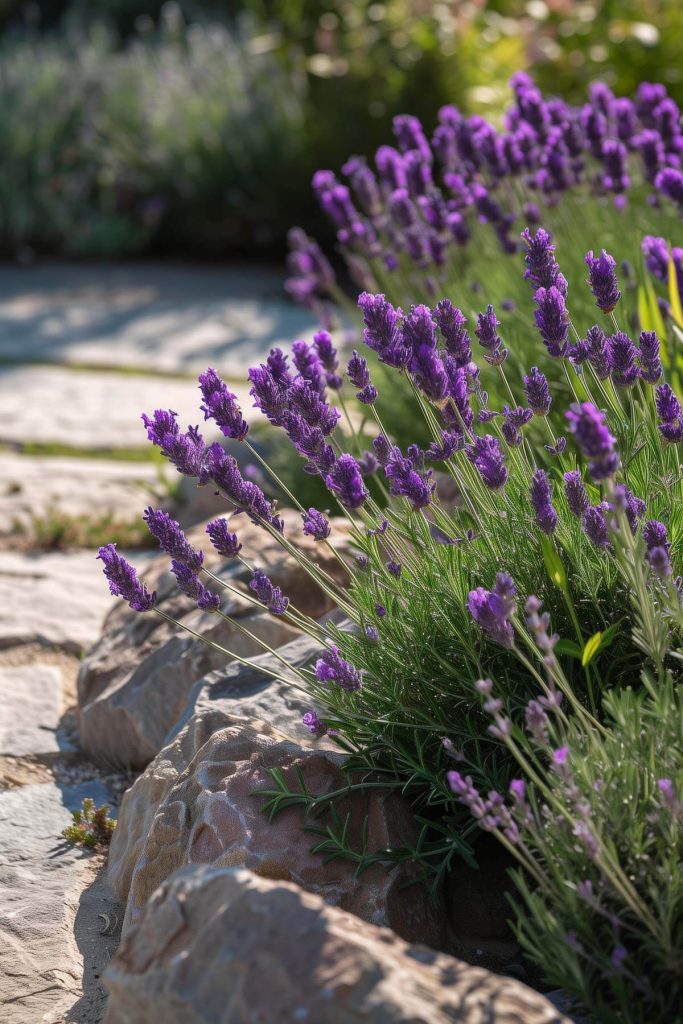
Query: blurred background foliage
x=193, y=128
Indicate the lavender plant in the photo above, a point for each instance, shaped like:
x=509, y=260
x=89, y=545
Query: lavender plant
x=437, y=216
x=471, y=546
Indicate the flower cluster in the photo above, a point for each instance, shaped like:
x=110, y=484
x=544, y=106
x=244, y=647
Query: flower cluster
x=423, y=197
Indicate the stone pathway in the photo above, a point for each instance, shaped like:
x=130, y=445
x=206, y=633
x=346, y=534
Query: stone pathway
x=83, y=351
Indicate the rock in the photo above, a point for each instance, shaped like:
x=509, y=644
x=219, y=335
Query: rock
x=52, y=598
x=30, y=707
x=223, y=946
x=134, y=684
x=41, y=879
x=199, y=803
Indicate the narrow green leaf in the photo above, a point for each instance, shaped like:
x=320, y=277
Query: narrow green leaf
x=569, y=647
x=553, y=565
x=674, y=294
x=644, y=310
x=591, y=649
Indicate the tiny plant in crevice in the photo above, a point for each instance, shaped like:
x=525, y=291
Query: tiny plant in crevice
x=91, y=826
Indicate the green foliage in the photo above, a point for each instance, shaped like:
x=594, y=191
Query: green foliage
x=92, y=827
x=60, y=531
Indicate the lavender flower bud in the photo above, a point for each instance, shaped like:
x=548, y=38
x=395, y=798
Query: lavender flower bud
x=492, y=609
x=541, y=268
x=171, y=539
x=488, y=337
x=649, y=358
x=332, y=668
x=221, y=406
x=670, y=184
x=308, y=364
x=622, y=356
x=594, y=439
x=314, y=725
x=267, y=593
x=190, y=584
x=186, y=452
x=346, y=482
x=595, y=525
x=541, y=492
x=316, y=525
x=537, y=392
x=487, y=457
x=406, y=481
x=123, y=580
x=382, y=332
x=224, y=542
x=602, y=279
x=451, y=322
x=552, y=320
x=269, y=391
x=575, y=493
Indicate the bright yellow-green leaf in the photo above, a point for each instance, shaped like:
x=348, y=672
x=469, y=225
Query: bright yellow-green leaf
x=674, y=294
x=591, y=649
x=553, y=565
x=644, y=310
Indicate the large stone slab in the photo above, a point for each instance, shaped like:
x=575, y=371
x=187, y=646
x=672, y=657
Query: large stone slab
x=214, y=813
x=53, y=598
x=30, y=708
x=92, y=410
x=223, y=946
x=41, y=880
x=40, y=488
x=158, y=316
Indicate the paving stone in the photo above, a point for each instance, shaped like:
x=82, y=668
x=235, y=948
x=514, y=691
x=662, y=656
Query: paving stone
x=52, y=598
x=37, y=487
x=170, y=317
x=91, y=410
x=30, y=707
x=41, y=879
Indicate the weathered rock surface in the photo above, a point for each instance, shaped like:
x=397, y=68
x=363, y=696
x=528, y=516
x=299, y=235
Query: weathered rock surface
x=41, y=881
x=223, y=946
x=42, y=487
x=134, y=684
x=53, y=598
x=198, y=803
x=30, y=707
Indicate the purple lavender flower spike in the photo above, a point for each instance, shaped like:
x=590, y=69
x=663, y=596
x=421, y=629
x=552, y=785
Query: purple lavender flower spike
x=190, y=584
x=316, y=525
x=623, y=356
x=245, y=495
x=649, y=358
x=372, y=633
x=123, y=580
x=221, y=406
x=552, y=320
x=359, y=375
x=670, y=183
x=391, y=167
x=187, y=452
x=308, y=364
x=269, y=390
x=575, y=493
x=537, y=392
x=171, y=539
x=655, y=535
x=487, y=457
x=668, y=406
x=488, y=337
x=660, y=563
x=267, y=593
x=327, y=355
x=277, y=364
x=451, y=322
x=492, y=609
x=406, y=481
x=368, y=463
x=224, y=542
x=541, y=495
x=315, y=726
x=602, y=279
x=558, y=448
x=382, y=332
x=309, y=403
x=457, y=412
x=595, y=524
x=451, y=442
x=615, y=160
x=332, y=668
x=382, y=449
x=594, y=439
x=346, y=482
x=541, y=267
x=595, y=348
x=394, y=568
x=626, y=501
x=429, y=373
x=514, y=420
